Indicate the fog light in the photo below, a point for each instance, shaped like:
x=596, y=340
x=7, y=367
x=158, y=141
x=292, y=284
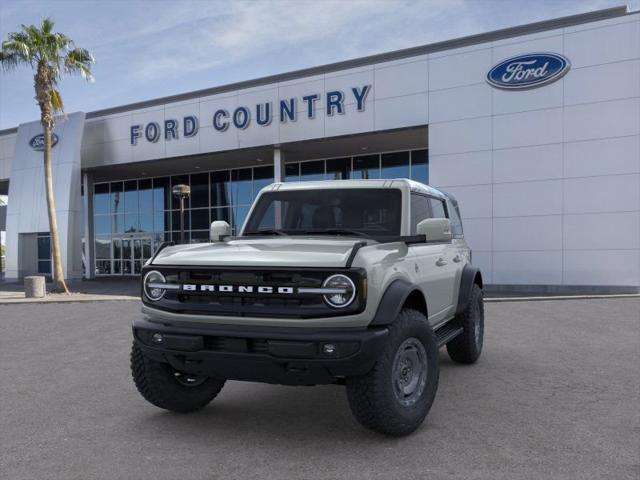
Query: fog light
x=157, y=338
x=329, y=348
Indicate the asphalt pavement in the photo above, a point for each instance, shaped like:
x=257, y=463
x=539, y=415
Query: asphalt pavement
x=556, y=394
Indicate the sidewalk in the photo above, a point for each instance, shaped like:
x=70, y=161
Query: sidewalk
x=104, y=289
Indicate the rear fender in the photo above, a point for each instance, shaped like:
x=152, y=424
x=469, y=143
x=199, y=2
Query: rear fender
x=470, y=276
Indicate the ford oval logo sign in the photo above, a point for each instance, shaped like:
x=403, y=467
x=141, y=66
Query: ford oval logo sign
x=37, y=142
x=528, y=71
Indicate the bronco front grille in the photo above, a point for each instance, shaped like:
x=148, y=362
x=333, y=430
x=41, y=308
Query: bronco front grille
x=256, y=293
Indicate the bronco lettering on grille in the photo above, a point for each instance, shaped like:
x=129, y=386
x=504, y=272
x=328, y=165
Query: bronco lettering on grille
x=190, y=287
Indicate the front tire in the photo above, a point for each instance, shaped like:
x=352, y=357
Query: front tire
x=467, y=347
x=396, y=395
x=166, y=388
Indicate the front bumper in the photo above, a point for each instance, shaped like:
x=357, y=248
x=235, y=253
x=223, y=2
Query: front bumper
x=289, y=356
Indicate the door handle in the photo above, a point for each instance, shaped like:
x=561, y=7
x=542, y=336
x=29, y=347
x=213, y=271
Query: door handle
x=457, y=258
x=441, y=262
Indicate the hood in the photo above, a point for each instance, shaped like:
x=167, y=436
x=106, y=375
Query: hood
x=262, y=252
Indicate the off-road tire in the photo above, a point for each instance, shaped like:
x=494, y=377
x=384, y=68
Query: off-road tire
x=372, y=398
x=467, y=347
x=156, y=382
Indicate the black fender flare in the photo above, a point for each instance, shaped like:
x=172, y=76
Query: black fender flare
x=467, y=280
x=392, y=301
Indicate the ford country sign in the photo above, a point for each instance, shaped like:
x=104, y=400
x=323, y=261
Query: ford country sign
x=37, y=142
x=528, y=71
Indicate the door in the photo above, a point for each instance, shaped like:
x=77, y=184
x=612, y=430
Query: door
x=130, y=253
x=435, y=264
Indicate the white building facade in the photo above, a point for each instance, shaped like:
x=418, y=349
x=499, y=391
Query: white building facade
x=534, y=129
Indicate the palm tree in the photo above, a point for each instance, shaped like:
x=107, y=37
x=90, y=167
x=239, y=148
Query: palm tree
x=50, y=55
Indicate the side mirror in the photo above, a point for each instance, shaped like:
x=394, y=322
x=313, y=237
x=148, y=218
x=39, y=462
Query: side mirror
x=435, y=229
x=219, y=229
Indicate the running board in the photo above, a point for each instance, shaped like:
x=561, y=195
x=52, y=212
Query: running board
x=447, y=333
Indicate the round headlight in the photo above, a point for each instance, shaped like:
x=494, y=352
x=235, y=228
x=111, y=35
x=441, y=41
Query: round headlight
x=340, y=291
x=152, y=284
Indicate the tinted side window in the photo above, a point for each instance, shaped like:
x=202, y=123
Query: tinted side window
x=456, y=223
x=419, y=210
x=437, y=207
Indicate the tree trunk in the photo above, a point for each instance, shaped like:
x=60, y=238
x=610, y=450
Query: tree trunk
x=59, y=284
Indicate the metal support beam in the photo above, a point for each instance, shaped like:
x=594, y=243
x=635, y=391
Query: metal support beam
x=87, y=204
x=278, y=165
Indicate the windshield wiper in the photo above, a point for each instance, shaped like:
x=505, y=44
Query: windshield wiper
x=267, y=231
x=337, y=231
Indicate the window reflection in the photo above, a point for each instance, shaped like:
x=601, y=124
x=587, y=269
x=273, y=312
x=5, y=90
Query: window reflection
x=220, y=195
x=144, y=210
x=395, y=165
x=312, y=170
x=366, y=167
x=241, y=191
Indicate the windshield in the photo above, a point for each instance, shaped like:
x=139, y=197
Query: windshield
x=365, y=212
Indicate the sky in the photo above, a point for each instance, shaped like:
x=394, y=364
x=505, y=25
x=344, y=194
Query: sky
x=150, y=49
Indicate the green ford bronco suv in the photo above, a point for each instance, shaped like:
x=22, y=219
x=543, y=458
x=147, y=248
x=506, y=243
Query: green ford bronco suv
x=350, y=282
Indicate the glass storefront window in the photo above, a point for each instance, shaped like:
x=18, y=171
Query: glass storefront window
x=310, y=171
x=175, y=220
x=241, y=189
x=131, y=203
x=103, y=247
x=116, y=197
x=161, y=222
x=339, y=169
x=102, y=224
x=262, y=176
x=146, y=222
x=200, y=190
x=395, y=165
x=420, y=166
x=44, y=253
x=366, y=167
x=161, y=194
x=101, y=198
x=221, y=214
x=144, y=210
x=145, y=195
x=240, y=214
x=131, y=223
x=220, y=191
x=292, y=172
x=200, y=218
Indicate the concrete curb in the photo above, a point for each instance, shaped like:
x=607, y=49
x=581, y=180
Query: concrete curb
x=558, y=297
x=69, y=299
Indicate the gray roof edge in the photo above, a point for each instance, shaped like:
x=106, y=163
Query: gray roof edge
x=508, y=32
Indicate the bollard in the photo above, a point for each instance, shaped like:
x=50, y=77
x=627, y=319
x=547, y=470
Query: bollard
x=34, y=287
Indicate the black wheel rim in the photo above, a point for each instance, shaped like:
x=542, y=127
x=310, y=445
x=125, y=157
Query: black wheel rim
x=409, y=374
x=188, y=379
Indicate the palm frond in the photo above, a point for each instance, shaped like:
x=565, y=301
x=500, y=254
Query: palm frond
x=56, y=101
x=79, y=61
x=9, y=61
x=47, y=26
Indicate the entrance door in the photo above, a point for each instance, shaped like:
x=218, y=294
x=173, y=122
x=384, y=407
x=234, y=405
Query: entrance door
x=130, y=253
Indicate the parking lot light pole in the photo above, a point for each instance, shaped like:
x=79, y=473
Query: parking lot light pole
x=182, y=192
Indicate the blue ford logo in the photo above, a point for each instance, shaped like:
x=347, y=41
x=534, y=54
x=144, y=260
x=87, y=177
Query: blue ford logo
x=37, y=142
x=528, y=71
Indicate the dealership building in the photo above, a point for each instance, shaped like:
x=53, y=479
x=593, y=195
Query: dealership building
x=535, y=129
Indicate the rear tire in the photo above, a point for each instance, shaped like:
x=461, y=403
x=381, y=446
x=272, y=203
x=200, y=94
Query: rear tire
x=166, y=388
x=467, y=347
x=396, y=395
